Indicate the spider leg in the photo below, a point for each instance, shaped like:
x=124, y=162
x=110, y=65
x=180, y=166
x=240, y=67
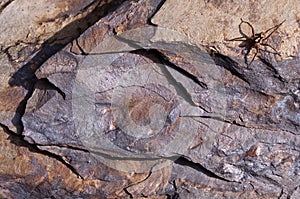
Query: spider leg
x=246, y=22
x=237, y=39
x=246, y=55
x=257, y=49
x=273, y=30
x=275, y=51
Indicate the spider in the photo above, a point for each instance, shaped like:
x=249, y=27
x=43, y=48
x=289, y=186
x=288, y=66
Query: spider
x=255, y=40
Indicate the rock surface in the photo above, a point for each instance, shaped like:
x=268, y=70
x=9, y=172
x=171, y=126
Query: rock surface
x=97, y=102
x=213, y=21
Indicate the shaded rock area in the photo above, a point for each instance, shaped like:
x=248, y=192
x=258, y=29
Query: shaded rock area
x=148, y=99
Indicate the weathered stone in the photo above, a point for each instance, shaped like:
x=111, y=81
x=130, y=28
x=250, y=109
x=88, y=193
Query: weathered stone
x=118, y=108
x=30, y=22
x=44, y=98
x=27, y=172
x=212, y=21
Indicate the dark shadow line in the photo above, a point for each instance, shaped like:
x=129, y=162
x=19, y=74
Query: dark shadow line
x=45, y=84
x=18, y=140
x=26, y=77
x=162, y=2
x=179, y=69
x=229, y=64
x=158, y=58
x=5, y=5
x=20, y=110
x=59, y=40
x=271, y=68
x=197, y=166
x=162, y=59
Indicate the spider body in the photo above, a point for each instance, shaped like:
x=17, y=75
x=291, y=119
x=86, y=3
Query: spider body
x=255, y=40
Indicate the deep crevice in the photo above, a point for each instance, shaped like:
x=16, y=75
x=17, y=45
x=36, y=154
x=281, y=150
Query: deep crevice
x=229, y=64
x=43, y=84
x=157, y=57
x=20, y=111
x=281, y=194
x=127, y=192
x=162, y=2
x=198, y=167
x=18, y=140
x=5, y=5
x=271, y=68
x=60, y=40
x=174, y=194
x=180, y=70
x=26, y=77
x=215, y=118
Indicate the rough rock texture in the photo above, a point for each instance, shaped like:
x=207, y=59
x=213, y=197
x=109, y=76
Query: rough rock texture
x=213, y=21
x=146, y=99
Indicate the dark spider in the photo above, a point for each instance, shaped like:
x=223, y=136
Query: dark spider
x=255, y=40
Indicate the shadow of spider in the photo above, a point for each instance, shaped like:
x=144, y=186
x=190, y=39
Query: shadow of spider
x=255, y=40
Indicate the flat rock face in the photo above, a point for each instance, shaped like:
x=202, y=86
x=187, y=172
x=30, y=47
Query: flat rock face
x=97, y=102
x=25, y=21
x=213, y=21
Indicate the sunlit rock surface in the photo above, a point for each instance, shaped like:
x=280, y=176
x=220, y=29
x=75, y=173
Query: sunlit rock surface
x=133, y=99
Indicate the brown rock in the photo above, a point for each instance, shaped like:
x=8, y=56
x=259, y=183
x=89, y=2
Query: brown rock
x=211, y=22
x=106, y=105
